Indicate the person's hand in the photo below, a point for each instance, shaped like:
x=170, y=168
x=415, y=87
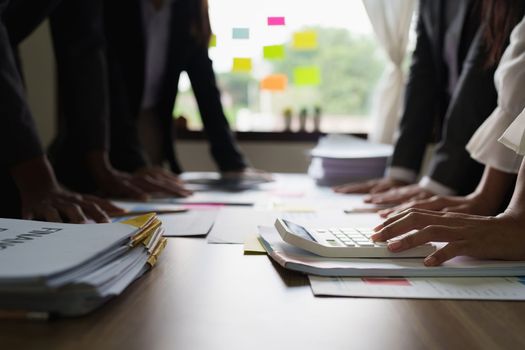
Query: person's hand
x=371, y=186
x=139, y=186
x=59, y=205
x=482, y=237
x=471, y=204
x=399, y=195
x=42, y=198
x=160, y=181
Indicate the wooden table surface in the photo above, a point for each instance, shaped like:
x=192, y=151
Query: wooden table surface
x=204, y=296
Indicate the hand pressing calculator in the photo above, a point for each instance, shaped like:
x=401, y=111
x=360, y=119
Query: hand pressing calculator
x=343, y=242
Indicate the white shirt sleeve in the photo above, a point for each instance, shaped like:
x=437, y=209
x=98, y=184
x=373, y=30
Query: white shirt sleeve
x=510, y=84
x=401, y=174
x=435, y=187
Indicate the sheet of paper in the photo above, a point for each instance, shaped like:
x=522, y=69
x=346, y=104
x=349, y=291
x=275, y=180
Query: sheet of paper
x=242, y=65
x=192, y=223
x=241, y=33
x=138, y=208
x=466, y=288
x=274, y=52
x=305, y=41
x=234, y=225
x=45, y=248
x=276, y=21
x=307, y=76
x=252, y=246
x=275, y=82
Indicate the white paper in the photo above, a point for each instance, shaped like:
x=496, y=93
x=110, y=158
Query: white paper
x=234, y=225
x=196, y=222
x=24, y=253
x=465, y=288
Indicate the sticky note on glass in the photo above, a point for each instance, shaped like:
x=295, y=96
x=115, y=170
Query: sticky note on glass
x=307, y=76
x=241, y=33
x=274, y=82
x=274, y=52
x=242, y=65
x=276, y=21
x=213, y=41
x=305, y=41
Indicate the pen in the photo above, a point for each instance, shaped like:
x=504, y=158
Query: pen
x=24, y=315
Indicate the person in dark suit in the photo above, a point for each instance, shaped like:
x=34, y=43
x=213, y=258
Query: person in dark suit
x=149, y=45
x=29, y=187
x=450, y=92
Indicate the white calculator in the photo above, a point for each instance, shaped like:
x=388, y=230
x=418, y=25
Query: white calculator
x=343, y=242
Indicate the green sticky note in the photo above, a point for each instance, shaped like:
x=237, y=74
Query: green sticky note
x=274, y=52
x=307, y=76
x=242, y=65
x=213, y=40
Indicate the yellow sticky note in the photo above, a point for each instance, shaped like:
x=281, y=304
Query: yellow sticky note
x=275, y=82
x=274, y=52
x=307, y=76
x=306, y=40
x=213, y=41
x=242, y=65
x=252, y=246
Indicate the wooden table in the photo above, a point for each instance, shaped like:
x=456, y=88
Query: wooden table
x=204, y=296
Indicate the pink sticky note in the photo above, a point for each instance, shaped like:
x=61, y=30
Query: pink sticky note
x=276, y=21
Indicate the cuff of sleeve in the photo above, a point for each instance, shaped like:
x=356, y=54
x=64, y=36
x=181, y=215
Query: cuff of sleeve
x=401, y=174
x=435, y=187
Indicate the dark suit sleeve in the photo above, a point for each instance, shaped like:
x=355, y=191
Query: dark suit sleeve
x=19, y=138
x=420, y=106
x=78, y=38
x=222, y=143
x=126, y=151
x=475, y=99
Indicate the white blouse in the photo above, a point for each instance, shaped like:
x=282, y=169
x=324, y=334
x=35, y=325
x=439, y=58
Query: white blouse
x=510, y=84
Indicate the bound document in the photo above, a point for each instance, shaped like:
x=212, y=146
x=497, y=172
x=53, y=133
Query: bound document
x=70, y=269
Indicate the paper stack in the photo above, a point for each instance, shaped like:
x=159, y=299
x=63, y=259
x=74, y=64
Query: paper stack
x=68, y=269
x=339, y=159
x=296, y=259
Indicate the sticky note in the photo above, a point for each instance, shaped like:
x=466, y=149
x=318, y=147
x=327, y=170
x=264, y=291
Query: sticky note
x=274, y=82
x=274, y=52
x=307, y=76
x=306, y=40
x=276, y=21
x=252, y=246
x=213, y=41
x=242, y=65
x=241, y=33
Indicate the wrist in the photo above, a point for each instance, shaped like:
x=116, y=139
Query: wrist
x=99, y=165
x=34, y=175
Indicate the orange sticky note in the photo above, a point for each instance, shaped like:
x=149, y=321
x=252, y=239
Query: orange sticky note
x=275, y=82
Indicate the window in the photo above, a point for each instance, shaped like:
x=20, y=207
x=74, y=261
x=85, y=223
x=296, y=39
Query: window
x=334, y=67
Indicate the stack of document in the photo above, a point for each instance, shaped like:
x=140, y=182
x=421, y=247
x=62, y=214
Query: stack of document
x=293, y=258
x=68, y=269
x=339, y=159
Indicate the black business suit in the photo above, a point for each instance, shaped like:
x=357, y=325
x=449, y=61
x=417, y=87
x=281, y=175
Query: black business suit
x=431, y=109
x=126, y=59
x=78, y=41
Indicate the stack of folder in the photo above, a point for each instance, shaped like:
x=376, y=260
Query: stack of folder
x=61, y=269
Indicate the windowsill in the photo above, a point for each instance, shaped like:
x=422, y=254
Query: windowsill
x=264, y=136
